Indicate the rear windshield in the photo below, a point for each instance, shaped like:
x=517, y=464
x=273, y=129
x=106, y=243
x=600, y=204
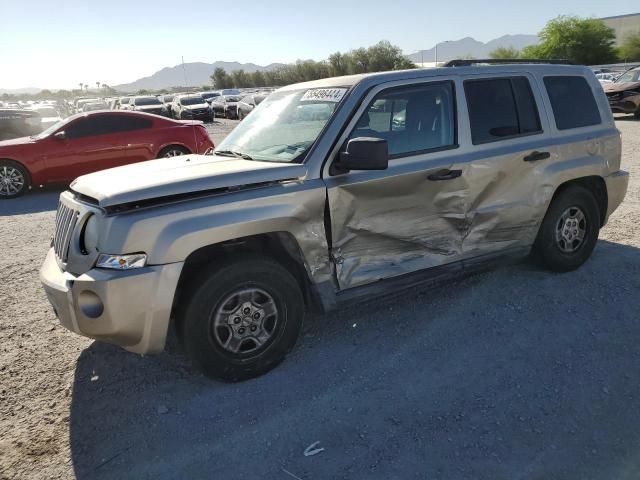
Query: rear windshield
x=147, y=101
x=191, y=100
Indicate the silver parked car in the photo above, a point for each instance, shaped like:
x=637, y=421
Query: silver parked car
x=333, y=191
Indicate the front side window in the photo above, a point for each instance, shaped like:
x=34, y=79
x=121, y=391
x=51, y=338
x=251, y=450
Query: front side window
x=285, y=125
x=411, y=119
x=501, y=108
x=572, y=102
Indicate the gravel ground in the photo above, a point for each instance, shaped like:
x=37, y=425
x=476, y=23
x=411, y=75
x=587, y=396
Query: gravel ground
x=515, y=373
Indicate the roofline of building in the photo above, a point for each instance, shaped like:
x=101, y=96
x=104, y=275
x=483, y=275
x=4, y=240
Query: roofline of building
x=621, y=16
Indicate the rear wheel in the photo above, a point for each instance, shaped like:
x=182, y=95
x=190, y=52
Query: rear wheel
x=173, y=151
x=14, y=179
x=569, y=231
x=242, y=318
x=636, y=115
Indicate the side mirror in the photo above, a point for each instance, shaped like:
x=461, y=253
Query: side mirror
x=60, y=135
x=363, y=153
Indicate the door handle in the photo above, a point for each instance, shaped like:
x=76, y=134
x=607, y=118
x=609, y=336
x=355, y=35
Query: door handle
x=535, y=156
x=445, y=175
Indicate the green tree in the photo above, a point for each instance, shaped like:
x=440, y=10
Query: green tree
x=221, y=78
x=143, y=91
x=504, y=53
x=584, y=41
x=240, y=79
x=629, y=50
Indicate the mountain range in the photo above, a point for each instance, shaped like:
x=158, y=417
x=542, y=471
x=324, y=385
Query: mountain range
x=468, y=47
x=198, y=73
x=192, y=75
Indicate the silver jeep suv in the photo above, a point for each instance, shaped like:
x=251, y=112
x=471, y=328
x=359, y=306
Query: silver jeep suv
x=334, y=191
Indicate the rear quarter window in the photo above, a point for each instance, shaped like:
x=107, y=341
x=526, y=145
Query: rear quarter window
x=572, y=102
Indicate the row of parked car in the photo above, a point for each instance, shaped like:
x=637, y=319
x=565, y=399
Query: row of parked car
x=205, y=106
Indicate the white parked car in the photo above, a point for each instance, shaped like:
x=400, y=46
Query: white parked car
x=606, y=77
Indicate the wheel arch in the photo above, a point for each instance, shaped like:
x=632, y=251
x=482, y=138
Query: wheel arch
x=22, y=164
x=280, y=246
x=595, y=184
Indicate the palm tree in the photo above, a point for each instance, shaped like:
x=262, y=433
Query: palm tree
x=80, y=85
x=98, y=85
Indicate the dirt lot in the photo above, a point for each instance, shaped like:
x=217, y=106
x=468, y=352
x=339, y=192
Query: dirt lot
x=516, y=373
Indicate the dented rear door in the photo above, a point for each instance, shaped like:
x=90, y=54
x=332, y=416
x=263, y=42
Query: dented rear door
x=412, y=215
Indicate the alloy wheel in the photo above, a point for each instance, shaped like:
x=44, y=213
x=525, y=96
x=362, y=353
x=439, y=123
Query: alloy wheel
x=571, y=230
x=12, y=181
x=244, y=321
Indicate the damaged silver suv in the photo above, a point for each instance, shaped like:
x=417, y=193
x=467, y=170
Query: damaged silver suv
x=334, y=191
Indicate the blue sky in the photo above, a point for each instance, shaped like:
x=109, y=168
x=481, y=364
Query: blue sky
x=59, y=44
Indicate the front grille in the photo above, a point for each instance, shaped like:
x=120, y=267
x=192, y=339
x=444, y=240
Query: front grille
x=66, y=219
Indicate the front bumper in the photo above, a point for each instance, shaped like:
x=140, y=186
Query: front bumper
x=617, y=184
x=625, y=105
x=186, y=115
x=127, y=308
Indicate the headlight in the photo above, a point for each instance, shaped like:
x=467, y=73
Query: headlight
x=89, y=236
x=122, y=262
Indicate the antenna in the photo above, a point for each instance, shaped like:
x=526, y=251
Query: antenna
x=193, y=123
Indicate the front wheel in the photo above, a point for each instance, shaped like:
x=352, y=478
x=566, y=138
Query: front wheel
x=242, y=318
x=569, y=231
x=14, y=179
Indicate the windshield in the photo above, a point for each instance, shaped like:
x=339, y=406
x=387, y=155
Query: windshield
x=191, y=100
x=209, y=95
x=147, y=101
x=230, y=91
x=51, y=130
x=628, y=77
x=124, y=100
x=284, y=126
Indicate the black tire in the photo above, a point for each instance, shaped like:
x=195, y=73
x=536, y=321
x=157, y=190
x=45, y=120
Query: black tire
x=636, y=114
x=173, y=151
x=198, y=313
x=240, y=115
x=548, y=250
x=6, y=168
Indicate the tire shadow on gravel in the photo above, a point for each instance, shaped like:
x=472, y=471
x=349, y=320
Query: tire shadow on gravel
x=35, y=201
x=513, y=373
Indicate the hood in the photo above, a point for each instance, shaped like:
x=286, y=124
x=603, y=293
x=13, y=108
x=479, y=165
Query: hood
x=167, y=177
x=16, y=141
x=620, y=87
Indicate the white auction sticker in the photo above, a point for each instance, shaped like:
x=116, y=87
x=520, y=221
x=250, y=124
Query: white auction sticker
x=324, y=94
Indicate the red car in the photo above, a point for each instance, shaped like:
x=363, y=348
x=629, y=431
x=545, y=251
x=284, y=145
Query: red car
x=88, y=142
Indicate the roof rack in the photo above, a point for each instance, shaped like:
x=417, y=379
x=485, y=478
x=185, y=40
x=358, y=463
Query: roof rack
x=503, y=61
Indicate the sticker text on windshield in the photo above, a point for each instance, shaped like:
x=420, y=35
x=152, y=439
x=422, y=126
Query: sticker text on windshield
x=324, y=95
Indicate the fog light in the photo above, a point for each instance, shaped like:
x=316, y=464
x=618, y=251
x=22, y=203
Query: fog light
x=90, y=304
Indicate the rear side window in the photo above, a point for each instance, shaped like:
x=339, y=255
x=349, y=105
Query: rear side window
x=501, y=108
x=572, y=102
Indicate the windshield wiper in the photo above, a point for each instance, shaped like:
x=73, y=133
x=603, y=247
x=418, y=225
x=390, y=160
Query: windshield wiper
x=232, y=153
